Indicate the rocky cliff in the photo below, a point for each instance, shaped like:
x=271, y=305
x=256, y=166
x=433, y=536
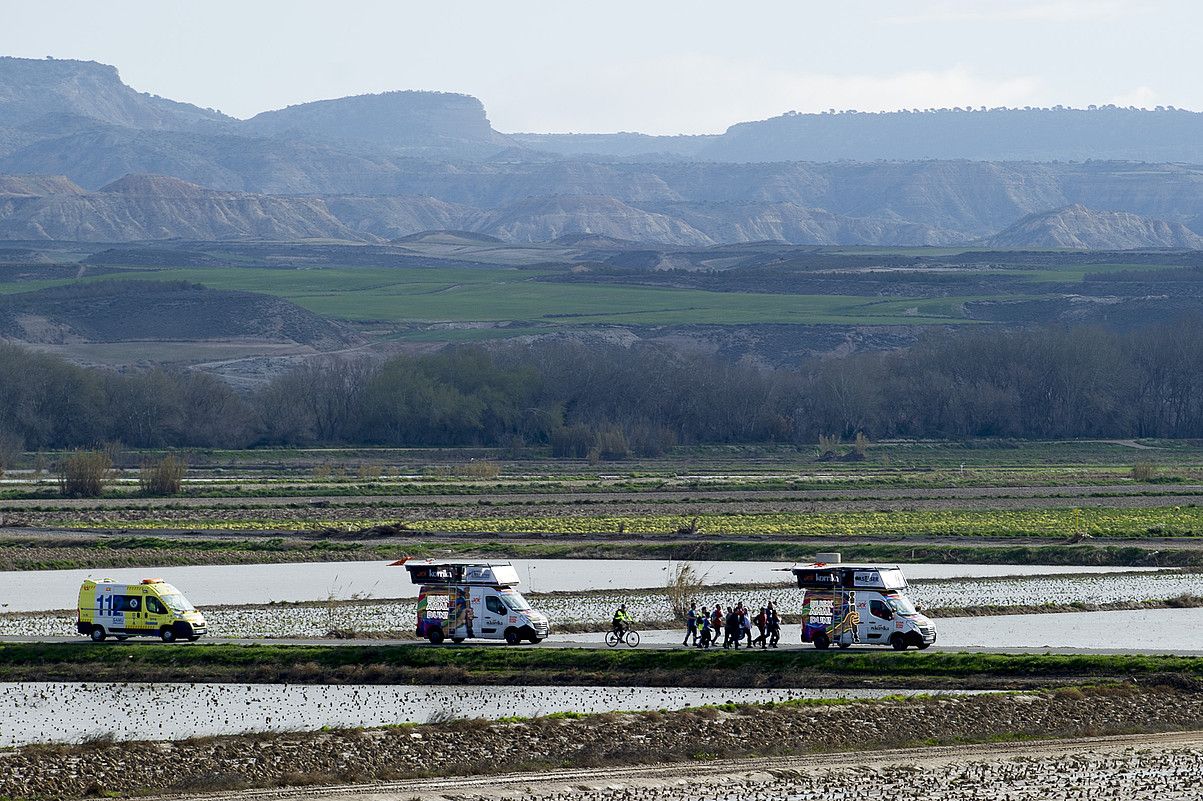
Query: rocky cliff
x=137, y=208
x=391, y=164
x=431, y=123
x=34, y=88
x=1087, y=229
x=1000, y=134
x=545, y=218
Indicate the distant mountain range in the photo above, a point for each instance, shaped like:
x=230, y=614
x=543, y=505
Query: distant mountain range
x=384, y=166
x=1057, y=134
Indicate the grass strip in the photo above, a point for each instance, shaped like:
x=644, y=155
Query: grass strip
x=31, y=554
x=687, y=667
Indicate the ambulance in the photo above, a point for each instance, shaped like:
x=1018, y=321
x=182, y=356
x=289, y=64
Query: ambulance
x=152, y=608
x=464, y=600
x=847, y=604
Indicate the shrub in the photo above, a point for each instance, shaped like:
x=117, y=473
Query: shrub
x=480, y=468
x=612, y=445
x=684, y=586
x=11, y=448
x=572, y=442
x=648, y=439
x=1143, y=471
x=515, y=447
x=828, y=445
x=84, y=474
x=164, y=477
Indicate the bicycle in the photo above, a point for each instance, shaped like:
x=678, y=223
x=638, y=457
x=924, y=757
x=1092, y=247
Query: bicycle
x=628, y=636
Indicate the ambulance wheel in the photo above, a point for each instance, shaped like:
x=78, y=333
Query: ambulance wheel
x=437, y=636
x=512, y=637
x=898, y=642
x=457, y=640
x=97, y=634
x=167, y=635
x=821, y=642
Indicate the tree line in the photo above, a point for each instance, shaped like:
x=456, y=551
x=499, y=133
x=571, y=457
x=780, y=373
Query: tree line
x=607, y=402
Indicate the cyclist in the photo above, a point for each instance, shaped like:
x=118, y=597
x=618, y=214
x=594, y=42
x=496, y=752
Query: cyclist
x=622, y=620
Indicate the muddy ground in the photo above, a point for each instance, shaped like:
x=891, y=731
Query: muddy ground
x=728, y=738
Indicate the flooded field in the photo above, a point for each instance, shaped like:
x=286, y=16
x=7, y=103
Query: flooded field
x=37, y=590
x=64, y=712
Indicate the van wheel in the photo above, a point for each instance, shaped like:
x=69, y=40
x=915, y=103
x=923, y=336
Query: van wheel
x=821, y=642
x=512, y=637
x=437, y=636
x=97, y=634
x=457, y=640
x=534, y=639
x=898, y=642
x=167, y=635
x=922, y=646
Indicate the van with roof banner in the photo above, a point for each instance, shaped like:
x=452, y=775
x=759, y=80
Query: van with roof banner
x=465, y=600
x=866, y=604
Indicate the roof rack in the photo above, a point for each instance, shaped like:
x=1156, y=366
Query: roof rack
x=850, y=576
x=462, y=572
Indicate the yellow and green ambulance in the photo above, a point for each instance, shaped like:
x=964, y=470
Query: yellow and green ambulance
x=152, y=608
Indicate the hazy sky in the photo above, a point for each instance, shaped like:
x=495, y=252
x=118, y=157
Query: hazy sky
x=660, y=66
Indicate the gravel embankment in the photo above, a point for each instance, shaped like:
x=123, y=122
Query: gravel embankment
x=1130, y=775
x=473, y=746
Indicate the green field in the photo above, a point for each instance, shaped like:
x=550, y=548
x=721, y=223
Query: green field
x=1040, y=523
x=688, y=667
x=526, y=298
x=464, y=295
x=501, y=295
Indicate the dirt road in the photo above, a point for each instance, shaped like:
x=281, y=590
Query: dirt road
x=1160, y=767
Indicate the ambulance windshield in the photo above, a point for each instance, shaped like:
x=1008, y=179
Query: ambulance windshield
x=177, y=602
x=514, y=600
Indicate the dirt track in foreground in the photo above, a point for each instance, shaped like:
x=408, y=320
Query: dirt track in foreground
x=1040, y=771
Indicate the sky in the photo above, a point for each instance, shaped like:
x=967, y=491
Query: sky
x=656, y=66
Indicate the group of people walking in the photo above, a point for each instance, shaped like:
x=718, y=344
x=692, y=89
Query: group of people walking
x=704, y=627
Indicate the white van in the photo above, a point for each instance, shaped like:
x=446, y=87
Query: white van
x=464, y=600
x=866, y=604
